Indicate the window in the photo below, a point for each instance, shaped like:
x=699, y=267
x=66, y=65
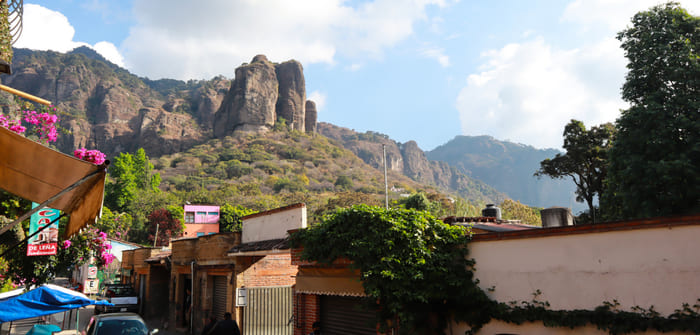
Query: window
x=189, y=217
x=200, y=234
x=213, y=213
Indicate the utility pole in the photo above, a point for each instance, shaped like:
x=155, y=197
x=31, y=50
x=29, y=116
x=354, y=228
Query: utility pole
x=155, y=238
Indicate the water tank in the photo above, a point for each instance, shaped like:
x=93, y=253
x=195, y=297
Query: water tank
x=556, y=217
x=491, y=211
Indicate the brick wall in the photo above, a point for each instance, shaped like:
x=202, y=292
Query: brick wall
x=215, y=247
x=270, y=270
x=307, y=310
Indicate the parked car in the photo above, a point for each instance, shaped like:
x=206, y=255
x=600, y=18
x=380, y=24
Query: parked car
x=117, y=324
x=122, y=296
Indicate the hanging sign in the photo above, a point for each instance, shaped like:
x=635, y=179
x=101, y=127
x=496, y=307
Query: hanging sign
x=92, y=272
x=92, y=286
x=45, y=242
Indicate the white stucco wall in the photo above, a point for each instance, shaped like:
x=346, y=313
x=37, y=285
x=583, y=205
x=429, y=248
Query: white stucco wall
x=273, y=224
x=639, y=267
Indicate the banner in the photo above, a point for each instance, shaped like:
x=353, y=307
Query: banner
x=45, y=242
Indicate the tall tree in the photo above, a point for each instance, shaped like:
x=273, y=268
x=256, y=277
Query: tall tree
x=130, y=175
x=585, y=159
x=230, y=217
x=163, y=226
x=655, y=161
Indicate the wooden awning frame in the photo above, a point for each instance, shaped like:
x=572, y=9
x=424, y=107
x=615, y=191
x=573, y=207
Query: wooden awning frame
x=53, y=179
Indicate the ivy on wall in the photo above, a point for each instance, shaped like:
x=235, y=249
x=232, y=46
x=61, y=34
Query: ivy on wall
x=5, y=36
x=417, y=275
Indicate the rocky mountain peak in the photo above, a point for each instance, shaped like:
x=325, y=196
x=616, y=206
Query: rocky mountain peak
x=261, y=94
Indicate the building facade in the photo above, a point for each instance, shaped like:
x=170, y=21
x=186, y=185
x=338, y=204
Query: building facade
x=201, y=220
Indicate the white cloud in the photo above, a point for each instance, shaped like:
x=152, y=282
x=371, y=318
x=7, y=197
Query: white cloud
x=203, y=39
x=319, y=98
x=45, y=29
x=438, y=55
x=614, y=15
x=110, y=52
x=527, y=92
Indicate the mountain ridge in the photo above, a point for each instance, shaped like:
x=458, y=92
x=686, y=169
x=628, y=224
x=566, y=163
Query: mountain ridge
x=108, y=108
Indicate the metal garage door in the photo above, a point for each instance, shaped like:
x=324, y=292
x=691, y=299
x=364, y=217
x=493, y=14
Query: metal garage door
x=269, y=311
x=346, y=315
x=218, y=304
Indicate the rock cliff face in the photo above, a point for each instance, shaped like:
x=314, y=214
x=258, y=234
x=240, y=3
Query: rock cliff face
x=250, y=103
x=409, y=160
x=292, y=94
x=107, y=108
x=311, y=116
x=262, y=93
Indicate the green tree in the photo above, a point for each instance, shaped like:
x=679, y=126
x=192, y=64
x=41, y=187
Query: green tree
x=585, y=160
x=514, y=210
x=130, y=175
x=143, y=172
x=121, y=186
x=417, y=201
x=655, y=161
x=115, y=224
x=414, y=268
x=230, y=217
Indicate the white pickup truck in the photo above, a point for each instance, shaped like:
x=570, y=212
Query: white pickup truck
x=122, y=296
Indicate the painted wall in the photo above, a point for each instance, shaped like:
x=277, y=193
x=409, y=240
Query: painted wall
x=205, y=222
x=273, y=224
x=640, y=267
x=202, y=213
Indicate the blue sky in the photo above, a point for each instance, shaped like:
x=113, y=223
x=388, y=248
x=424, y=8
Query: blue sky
x=423, y=70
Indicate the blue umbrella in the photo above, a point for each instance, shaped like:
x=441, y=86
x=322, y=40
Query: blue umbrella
x=44, y=300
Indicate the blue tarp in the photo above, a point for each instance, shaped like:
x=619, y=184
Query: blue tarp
x=44, y=300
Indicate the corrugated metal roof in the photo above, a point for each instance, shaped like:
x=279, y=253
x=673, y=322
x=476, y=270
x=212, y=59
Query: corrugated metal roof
x=276, y=244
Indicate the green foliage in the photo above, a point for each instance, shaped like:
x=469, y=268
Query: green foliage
x=5, y=36
x=585, y=160
x=415, y=271
x=413, y=267
x=417, y=201
x=655, y=161
x=36, y=270
x=230, y=217
x=514, y=210
x=115, y=224
x=343, y=182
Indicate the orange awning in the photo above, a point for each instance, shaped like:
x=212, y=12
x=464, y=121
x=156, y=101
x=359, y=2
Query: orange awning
x=329, y=281
x=37, y=173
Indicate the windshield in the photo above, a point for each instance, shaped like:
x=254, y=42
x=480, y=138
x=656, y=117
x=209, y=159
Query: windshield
x=120, y=327
x=118, y=291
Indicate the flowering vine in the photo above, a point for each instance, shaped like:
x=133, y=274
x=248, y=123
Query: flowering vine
x=93, y=156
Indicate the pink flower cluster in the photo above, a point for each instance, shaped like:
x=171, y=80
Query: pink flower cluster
x=14, y=125
x=93, y=156
x=103, y=248
x=45, y=122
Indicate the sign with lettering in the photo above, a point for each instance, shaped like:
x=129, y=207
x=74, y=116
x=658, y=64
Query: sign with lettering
x=45, y=242
x=92, y=286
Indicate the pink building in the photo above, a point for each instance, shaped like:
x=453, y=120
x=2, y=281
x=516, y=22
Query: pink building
x=201, y=220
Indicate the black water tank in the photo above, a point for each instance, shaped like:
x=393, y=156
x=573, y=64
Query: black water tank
x=491, y=211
